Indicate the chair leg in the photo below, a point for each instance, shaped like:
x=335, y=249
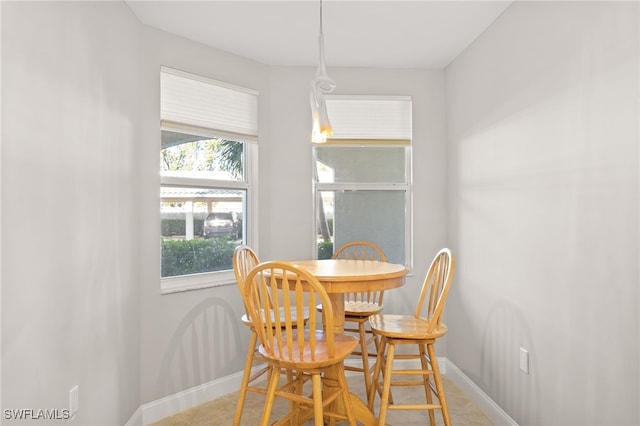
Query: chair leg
x=245, y=378
x=375, y=385
x=390, y=389
x=439, y=386
x=386, y=388
x=364, y=349
x=376, y=343
x=351, y=415
x=293, y=406
x=426, y=381
x=274, y=377
x=316, y=381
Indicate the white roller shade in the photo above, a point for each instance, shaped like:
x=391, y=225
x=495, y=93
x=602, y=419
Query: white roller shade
x=188, y=100
x=374, y=118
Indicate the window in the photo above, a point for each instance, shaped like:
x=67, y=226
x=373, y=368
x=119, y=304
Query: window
x=362, y=179
x=207, y=157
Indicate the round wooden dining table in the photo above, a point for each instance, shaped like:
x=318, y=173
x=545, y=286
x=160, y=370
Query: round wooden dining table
x=340, y=276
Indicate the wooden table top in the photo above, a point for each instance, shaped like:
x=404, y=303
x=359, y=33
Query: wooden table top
x=341, y=275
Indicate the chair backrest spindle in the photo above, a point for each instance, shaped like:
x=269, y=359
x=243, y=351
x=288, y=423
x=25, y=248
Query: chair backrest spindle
x=244, y=260
x=361, y=250
x=436, y=288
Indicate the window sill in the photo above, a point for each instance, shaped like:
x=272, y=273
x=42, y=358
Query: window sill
x=196, y=282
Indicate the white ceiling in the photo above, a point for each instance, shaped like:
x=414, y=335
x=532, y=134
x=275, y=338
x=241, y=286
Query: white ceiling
x=357, y=33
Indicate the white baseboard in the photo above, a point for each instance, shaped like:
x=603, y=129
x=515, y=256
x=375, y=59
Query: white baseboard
x=159, y=409
x=476, y=395
x=169, y=405
x=136, y=419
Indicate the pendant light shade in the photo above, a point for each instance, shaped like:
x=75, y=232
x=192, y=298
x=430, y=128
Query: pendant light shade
x=320, y=85
x=321, y=125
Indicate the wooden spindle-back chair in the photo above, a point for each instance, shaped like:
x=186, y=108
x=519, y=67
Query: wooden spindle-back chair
x=422, y=329
x=359, y=306
x=290, y=343
x=244, y=260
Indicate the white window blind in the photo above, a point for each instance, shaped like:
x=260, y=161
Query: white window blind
x=191, y=102
x=370, y=118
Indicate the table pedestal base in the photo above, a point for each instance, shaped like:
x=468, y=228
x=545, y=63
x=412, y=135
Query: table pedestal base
x=363, y=415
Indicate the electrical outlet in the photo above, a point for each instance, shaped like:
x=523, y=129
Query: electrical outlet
x=524, y=360
x=73, y=401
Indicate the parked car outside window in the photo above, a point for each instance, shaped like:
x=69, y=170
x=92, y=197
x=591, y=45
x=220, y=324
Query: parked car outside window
x=219, y=224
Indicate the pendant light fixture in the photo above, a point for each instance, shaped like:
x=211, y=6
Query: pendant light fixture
x=320, y=85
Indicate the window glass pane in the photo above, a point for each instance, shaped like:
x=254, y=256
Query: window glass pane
x=376, y=216
x=355, y=164
x=194, y=156
x=200, y=228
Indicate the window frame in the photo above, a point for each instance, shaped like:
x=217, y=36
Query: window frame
x=181, y=283
x=248, y=183
x=407, y=187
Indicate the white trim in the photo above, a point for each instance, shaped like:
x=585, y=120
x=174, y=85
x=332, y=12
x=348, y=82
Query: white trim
x=136, y=419
x=167, y=179
x=408, y=229
x=347, y=186
x=496, y=414
x=169, y=405
x=164, y=407
x=180, y=283
x=208, y=80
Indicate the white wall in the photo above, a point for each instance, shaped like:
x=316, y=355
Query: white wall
x=71, y=123
x=543, y=125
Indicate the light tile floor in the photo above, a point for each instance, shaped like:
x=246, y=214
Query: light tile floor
x=220, y=412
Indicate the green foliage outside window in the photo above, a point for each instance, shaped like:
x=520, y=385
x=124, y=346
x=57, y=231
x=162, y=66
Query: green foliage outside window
x=174, y=227
x=325, y=249
x=184, y=257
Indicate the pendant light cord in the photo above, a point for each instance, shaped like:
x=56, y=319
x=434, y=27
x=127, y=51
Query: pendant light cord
x=322, y=80
x=321, y=17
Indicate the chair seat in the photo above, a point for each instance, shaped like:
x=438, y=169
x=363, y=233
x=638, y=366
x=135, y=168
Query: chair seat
x=358, y=309
x=404, y=327
x=246, y=321
x=361, y=309
x=344, y=345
